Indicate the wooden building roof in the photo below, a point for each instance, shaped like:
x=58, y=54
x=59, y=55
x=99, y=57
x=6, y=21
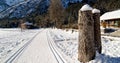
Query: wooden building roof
x=111, y=15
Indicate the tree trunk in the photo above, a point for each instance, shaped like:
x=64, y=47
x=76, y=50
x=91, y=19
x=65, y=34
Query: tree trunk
x=86, y=49
x=97, y=32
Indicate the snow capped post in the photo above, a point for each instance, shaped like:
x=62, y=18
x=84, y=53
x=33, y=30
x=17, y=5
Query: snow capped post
x=97, y=32
x=86, y=49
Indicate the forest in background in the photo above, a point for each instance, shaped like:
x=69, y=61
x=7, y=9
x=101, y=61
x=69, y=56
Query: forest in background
x=60, y=17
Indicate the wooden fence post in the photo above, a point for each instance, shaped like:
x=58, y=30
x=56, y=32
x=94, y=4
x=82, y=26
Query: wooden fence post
x=86, y=49
x=97, y=32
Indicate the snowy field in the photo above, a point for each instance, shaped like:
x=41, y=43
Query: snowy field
x=63, y=43
x=13, y=39
x=67, y=44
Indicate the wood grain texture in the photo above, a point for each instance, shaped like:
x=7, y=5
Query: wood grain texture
x=86, y=49
x=97, y=32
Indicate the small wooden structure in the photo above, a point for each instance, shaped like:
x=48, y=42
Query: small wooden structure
x=25, y=25
x=112, y=18
x=28, y=25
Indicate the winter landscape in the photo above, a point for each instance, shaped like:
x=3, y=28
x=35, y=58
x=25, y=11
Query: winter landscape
x=64, y=42
x=52, y=31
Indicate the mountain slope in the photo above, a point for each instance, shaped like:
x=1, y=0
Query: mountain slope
x=3, y=5
x=13, y=2
x=22, y=9
x=26, y=7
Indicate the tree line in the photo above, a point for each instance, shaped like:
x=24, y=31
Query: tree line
x=58, y=16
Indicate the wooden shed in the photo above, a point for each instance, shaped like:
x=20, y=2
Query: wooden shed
x=26, y=25
x=112, y=18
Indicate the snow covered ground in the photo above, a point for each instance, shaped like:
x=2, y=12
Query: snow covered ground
x=13, y=39
x=53, y=45
x=38, y=51
x=67, y=42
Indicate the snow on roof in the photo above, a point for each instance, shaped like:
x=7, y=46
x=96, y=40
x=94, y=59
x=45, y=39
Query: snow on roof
x=86, y=7
x=111, y=15
x=27, y=23
x=95, y=11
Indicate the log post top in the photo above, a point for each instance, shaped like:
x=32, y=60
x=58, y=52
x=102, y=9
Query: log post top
x=88, y=8
x=85, y=10
x=95, y=11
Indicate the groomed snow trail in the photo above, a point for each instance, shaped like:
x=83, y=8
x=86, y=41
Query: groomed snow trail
x=38, y=51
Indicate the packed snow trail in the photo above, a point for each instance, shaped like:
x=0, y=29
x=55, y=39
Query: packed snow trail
x=38, y=51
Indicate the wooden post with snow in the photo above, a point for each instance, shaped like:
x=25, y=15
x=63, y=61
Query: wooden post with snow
x=97, y=32
x=86, y=49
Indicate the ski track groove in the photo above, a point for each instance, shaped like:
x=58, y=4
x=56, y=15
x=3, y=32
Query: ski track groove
x=54, y=51
x=21, y=50
x=50, y=43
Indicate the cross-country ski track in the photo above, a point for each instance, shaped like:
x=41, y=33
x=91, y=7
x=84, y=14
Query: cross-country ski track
x=41, y=49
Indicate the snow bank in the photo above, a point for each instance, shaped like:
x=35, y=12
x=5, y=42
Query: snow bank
x=95, y=11
x=69, y=48
x=86, y=7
